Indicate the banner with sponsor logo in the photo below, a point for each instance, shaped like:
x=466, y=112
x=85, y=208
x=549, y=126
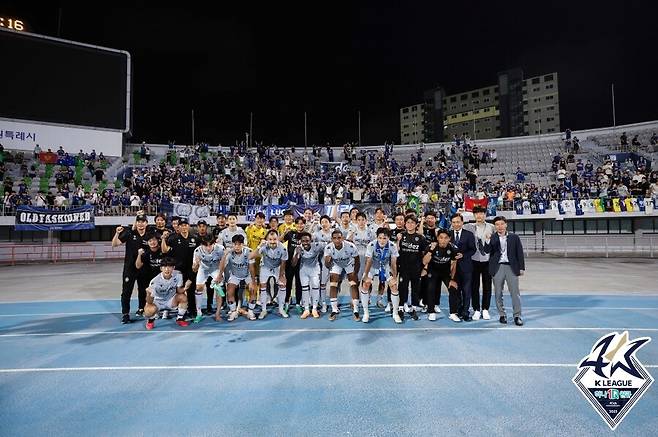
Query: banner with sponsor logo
x=29, y=218
x=194, y=213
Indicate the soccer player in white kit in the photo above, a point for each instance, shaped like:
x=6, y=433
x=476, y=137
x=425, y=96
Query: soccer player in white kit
x=342, y=257
x=306, y=255
x=206, y=265
x=241, y=268
x=273, y=258
x=323, y=235
x=381, y=262
x=361, y=237
x=166, y=292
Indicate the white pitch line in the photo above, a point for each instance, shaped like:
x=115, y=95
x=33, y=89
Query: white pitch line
x=321, y=330
x=97, y=313
x=294, y=366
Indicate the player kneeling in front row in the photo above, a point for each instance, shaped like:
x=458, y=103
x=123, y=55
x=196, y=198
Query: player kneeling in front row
x=166, y=292
x=306, y=256
x=237, y=261
x=206, y=265
x=273, y=258
x=382, y=262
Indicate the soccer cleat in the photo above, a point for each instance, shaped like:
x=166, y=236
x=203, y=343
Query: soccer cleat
x=401, y=314
x=165, y=314
x=125, y=319
x=406, y=308
x=299, y=309
x=182, y=322
x=198, y=318
x=518, y=321
x=455, y=318
x=414, y=315
x=388, y=308
x=283, y=314
x=503, y=319
x=366, y=317
x=263, y=314
x=232, y=315
x=315, y=314
x=323, y=308
x=251, y=315
x=139, y=312
x=333, y=316
x=423, y=309
x=356, y=317
x=396, y=318
x=305, y=314
x=485, y=315
x=476, y=315
x=431, y=317
x=150, y=324
x=437, y=309
x=380, y=304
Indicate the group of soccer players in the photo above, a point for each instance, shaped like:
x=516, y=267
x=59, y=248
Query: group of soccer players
x=247, y=270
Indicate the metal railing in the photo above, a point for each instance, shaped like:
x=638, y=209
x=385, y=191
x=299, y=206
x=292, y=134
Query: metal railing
x=637, y=245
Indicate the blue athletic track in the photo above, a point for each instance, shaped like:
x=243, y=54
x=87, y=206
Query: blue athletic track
x=71, y=368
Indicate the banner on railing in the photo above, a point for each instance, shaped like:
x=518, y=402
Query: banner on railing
x=29, y=218
x=193, y=213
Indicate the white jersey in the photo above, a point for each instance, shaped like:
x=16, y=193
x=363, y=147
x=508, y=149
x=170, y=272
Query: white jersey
x=381, y=256
x=226, y=236
x=374, y=226
x=344, y=256
x=238, y=263
x=271, y=258
x=209, y=260
x=164, y=289
x=346, y=231
x=362, y=238
x=323, y=237
x=309, y=259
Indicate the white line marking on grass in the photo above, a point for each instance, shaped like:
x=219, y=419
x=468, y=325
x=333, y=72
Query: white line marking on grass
x=317, y=330
x=293, y=366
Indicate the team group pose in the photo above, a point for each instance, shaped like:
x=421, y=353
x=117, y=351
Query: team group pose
x=410, y=262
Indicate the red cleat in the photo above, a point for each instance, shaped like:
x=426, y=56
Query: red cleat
x=181, y=322
x=150, y=325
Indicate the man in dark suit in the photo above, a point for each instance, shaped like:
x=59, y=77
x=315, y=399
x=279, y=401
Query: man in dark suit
x=506, y=264
x=465, y=242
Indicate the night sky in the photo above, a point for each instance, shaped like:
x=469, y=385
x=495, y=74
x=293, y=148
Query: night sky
x=280, y=60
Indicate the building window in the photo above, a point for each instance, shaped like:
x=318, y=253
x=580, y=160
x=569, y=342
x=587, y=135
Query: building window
x=476, y=102
x=537, y=111
x=486, y=109
x=405, y=110
x=414, y=109
x=535, y=80
x=495, y=89
x=477, y=111
x=486, y=100
x=463, y=97
x=548, y=78
x=485, y=92
x=551, y=108
x=406, y=126
x=464, y=114
x=406, y=117
x=534, y=90
x=453, y=99
x=548, y=87
x=549, y=97
x=475, y=94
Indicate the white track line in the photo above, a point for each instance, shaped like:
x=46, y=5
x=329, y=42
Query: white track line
x=97, y=313
x=293, y=366
x=318, y=330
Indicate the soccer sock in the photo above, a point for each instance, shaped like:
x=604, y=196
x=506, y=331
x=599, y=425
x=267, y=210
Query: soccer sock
x=305, y=296
x=263, y=297
x=281, y=297
x=395, y=300
x=201, y=300
x=181, y=312
x=232, y=306
x=355, y=303
x=252, y=305
x=315, y=296
x=365, y=301
x=323, y=293
x=334, y=304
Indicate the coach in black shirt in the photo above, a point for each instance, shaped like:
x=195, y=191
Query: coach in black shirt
x=134, y=239
x=181, y=247
x=411, y=247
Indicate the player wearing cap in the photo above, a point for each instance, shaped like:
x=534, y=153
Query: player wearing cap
x=221, y=225
x=273, y=259
x=342, y=257
x=206, y=265
x=323, y=235
x=181, y=247
x=240, y=268
x=134, y=239
x=166, y=292
x=381, y=262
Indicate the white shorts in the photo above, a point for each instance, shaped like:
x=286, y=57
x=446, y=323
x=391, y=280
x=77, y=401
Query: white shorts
x=203, y=274
x=236, y=281
x=310, y=277
x=337, y=270
x=324, y=274
x=374, y=273
x=267, y=273
x=165, y=304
